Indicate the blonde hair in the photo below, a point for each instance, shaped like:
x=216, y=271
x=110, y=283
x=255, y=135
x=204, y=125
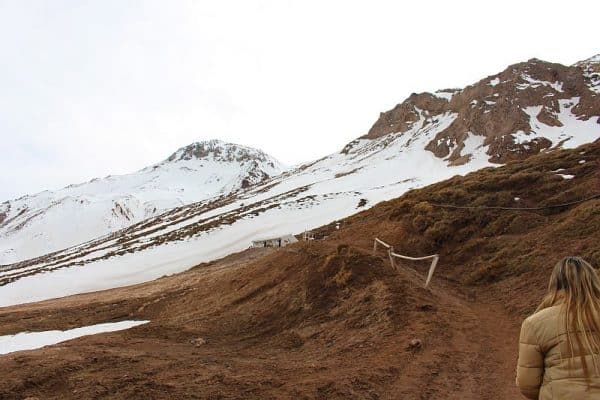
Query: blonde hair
x=576, y=281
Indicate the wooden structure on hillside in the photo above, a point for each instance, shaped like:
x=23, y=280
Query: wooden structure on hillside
x=308, y=235
x=276, y=241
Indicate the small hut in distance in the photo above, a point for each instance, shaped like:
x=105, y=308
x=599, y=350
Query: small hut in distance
x=276, y=241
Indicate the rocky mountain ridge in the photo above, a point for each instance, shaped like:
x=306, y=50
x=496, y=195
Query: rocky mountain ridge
x=219, y=150
x=518, y=112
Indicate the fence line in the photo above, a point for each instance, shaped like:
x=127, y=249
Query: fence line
x=384, y=244
x=391, y=254
x=539, y=208
x=389, y=248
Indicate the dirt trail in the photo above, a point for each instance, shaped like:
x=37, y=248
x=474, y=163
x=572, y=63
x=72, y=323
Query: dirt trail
x=486, y=338
x=478, y=359
x=497, y=340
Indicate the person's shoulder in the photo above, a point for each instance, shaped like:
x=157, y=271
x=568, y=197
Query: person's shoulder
x=544, y=315
x=542, y=325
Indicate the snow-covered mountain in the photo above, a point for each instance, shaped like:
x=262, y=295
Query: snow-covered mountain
x=528, y=108
x=35, y=225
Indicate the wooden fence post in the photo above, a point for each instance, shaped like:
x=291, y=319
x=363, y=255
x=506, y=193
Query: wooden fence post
x=431, y=270
x=391, y=256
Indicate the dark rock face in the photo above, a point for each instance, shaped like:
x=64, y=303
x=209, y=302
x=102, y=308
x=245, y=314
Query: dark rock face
x=546, y=116
x=219, y=151
x=401, y=117
x=255, y=165
x=495, y=108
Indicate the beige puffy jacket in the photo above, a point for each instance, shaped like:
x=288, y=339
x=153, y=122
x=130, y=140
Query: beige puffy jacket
x=546, y=369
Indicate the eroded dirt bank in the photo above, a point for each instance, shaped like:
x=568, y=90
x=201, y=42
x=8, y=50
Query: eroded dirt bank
x=334, y=323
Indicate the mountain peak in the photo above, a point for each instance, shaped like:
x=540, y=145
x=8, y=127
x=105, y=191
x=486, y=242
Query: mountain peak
x=194, y=173
x=218, y=150
x=520, y=111
x=591, y=72
x=592, y=60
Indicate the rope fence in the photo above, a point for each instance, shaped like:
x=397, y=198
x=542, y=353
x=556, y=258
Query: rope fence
x=381, y=242
x=539, y=208
x=391, y=254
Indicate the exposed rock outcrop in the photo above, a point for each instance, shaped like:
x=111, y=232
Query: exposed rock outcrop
x=498, y=108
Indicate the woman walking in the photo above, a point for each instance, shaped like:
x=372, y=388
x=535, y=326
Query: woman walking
x=560, y=344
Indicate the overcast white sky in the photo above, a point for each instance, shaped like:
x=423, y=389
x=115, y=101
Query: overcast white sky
x=91, y=88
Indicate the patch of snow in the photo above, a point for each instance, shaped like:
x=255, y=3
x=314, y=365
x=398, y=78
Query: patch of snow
x=35, y=340
x=534, y=83
x=573, y=132
x=581, y=161
x=517, y=198
x=443, y=94
x=566, y=176
x=473, y=145
x=521, y=137
x=494, y=81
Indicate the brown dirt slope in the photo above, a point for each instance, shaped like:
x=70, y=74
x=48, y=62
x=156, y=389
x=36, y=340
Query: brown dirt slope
x=330, y=319
x=510, y=251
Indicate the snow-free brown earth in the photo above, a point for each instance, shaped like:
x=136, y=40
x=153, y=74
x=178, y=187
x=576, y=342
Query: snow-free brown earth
x=327, y=326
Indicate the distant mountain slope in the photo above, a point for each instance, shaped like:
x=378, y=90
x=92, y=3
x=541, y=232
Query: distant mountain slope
x=529, y=108
x=53, y=220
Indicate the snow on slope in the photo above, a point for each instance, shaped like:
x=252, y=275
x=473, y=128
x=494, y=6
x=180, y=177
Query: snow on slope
x=572, y=131
x=50, y=221
x=426, y=139
x=35, y=340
